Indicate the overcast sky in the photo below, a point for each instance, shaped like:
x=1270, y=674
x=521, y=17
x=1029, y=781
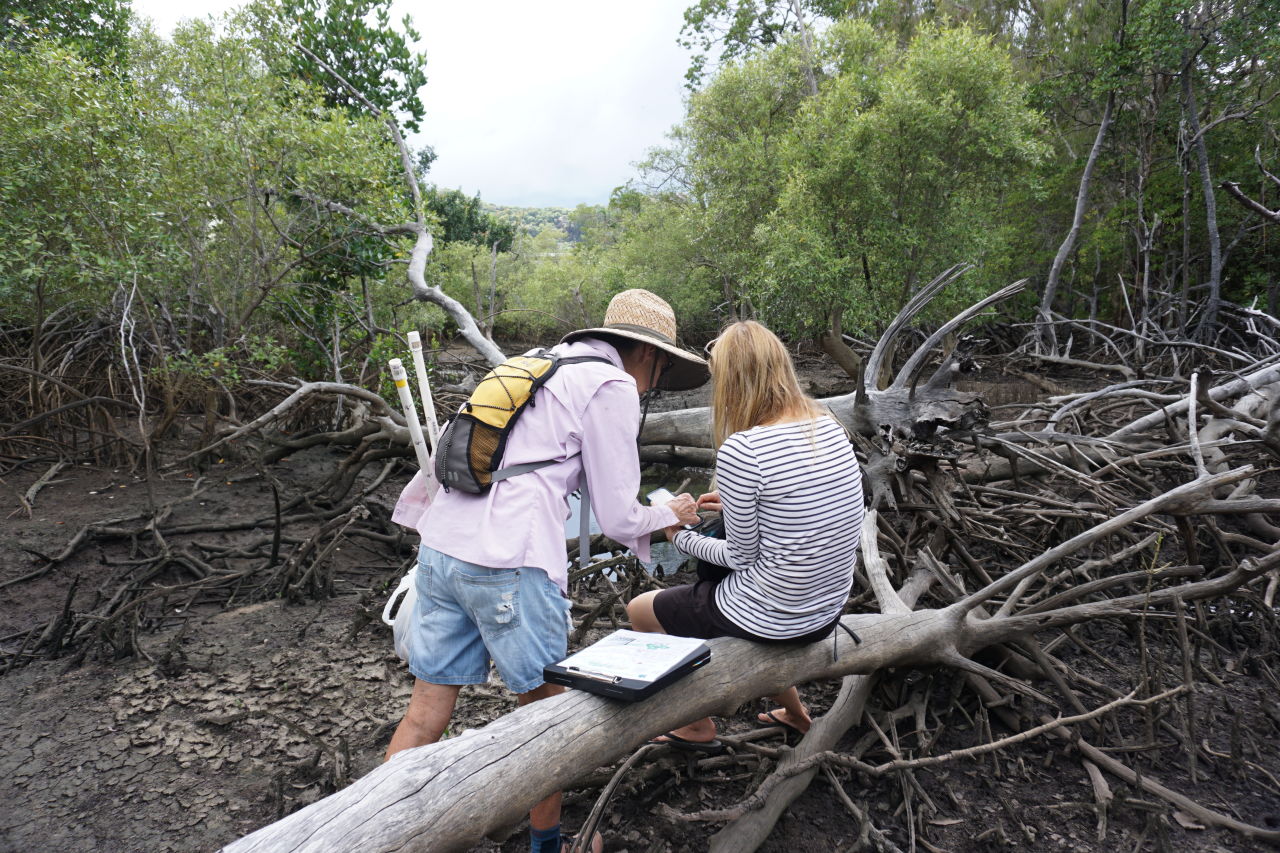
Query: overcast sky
x=533, y=104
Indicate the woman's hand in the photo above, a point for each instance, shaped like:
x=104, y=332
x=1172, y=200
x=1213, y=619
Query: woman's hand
x=710, y=502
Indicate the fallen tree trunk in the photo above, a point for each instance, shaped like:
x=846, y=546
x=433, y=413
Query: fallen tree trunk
x=449, y=795
x=905, y=409
x=1260, y=376
x=908, y=412
x=749, y=831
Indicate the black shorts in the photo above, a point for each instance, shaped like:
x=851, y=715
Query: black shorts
x=690, y=611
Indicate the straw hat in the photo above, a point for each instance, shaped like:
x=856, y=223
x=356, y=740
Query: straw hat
x=643, y=316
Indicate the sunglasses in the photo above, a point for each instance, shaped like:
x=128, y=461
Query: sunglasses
x=711, y=344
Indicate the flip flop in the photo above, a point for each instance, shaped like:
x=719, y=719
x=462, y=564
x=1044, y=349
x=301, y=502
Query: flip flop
x=711, y=747
x=769, y=716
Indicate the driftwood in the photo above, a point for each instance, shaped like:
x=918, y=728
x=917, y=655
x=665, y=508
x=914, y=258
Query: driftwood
x=1068, y=462
x=905, y=409
x=462, y=789
x=965, y=504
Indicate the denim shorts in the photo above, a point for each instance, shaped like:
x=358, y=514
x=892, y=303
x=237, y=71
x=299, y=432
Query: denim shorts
x=467, y=615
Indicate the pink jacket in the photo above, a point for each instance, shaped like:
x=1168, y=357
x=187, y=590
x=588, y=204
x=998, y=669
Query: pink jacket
x=586, y=416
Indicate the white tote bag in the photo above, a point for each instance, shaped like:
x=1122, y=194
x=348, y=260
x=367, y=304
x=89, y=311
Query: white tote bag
x=407, y=596
x=410, y=509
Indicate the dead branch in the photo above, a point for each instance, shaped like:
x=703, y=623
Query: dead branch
x=531, y=752
x=1153, y=786
x=1233, y=190
x=422, y=243
x=749, y=830
x=901, y=409
x=829, y=758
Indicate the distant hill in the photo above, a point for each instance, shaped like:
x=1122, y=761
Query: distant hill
x=532, y=220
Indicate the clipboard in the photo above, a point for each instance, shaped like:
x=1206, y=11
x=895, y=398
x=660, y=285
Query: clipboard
x=629, y=665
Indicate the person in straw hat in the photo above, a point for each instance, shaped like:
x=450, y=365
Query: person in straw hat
x=492, y=578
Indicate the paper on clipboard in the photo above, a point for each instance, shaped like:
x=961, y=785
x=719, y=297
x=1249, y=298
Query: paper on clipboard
x=633, y=655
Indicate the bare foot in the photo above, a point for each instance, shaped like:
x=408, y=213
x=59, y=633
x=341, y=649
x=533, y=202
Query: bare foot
x=700, y=731
x=780, y=717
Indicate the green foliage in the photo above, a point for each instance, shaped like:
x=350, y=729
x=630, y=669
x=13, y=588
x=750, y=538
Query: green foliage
x=722, y=177
x=209, y=171
x=97, y=29
x=895, y=172
x=794, y=205
x=651, y=248
x=202, y=178
x=745, y=26
x=463, y=218
x=1149, y=186
x=78, y=188
x=800, y=197
x=530, y=220
x=231, y=364
x=356, y=39
x=250, y=153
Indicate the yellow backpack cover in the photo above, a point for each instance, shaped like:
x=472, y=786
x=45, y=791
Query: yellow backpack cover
x=474, y=439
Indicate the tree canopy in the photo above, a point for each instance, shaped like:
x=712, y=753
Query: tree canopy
x=833, y=156
x=357, y=39
x=97, y=29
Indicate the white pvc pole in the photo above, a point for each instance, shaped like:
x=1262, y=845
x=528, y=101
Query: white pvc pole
x=424, y=388
x=410, y=412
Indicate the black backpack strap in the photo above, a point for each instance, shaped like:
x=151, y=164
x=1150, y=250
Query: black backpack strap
x=579, y=359
x=523, y=468
x=526, y=467
x=584, y=524
x=584, y=506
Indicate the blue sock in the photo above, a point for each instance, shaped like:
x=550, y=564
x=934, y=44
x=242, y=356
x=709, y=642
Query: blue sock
x=544, y=840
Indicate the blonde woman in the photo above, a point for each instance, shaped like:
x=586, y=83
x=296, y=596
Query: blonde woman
x=790, y=490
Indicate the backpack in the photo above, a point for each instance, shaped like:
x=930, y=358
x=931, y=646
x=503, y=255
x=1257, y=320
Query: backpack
x=473, y=440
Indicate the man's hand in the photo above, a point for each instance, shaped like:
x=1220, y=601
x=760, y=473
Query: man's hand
x=685, y=508
x=710, y=502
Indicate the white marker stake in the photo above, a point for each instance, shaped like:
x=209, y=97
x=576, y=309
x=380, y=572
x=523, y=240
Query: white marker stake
x=424, y=388
x=410, y=412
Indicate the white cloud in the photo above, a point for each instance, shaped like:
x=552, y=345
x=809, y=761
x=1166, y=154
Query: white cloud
x=535, y=103
x=165, y=14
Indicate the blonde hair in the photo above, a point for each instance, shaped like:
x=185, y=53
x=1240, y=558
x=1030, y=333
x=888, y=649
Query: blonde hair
x=753, y=381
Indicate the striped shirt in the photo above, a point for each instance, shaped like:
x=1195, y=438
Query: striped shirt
x=792, y=497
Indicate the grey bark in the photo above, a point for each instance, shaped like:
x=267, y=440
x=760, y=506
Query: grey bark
x=1233, y=190
x=1047, y=335
x=906, y=412
x=449, y=795
x=1209, y=319
x=1045, y=328
x=422, y=242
